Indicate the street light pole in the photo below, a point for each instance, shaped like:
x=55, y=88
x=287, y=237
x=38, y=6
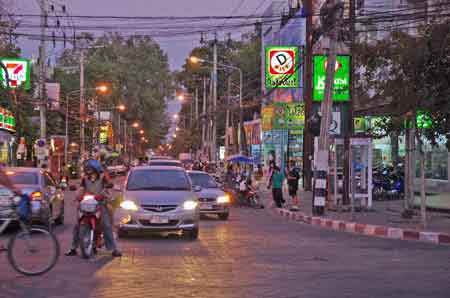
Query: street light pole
x=82, y=106
x=241, y=114
x=42, y=71
x=67, y=130
x=214, y=130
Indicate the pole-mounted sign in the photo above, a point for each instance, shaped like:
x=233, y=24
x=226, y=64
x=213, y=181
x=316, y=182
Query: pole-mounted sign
x=282, y=67
x=341, y=89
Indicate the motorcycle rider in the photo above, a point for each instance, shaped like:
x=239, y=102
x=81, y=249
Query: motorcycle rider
x=95, y=181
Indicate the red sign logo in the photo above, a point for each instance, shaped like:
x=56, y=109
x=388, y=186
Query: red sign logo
x=282, y=62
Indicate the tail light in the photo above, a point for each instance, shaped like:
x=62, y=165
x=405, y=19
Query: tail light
x=36, y=196
x=88, y=197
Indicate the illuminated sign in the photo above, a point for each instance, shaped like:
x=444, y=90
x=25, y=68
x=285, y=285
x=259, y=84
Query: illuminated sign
x=7, y=120
x=282, y=67
x=289, y=116
x=18, y=72
x=341, y=88
x=103, y=135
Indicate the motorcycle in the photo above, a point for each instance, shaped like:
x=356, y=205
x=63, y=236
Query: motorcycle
x=388, y=183
x=90, y=233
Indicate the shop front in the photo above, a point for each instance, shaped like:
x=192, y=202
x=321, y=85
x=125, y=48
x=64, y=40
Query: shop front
x=7, y=136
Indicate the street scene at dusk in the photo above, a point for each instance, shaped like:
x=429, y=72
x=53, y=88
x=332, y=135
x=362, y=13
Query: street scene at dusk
x=238, y=148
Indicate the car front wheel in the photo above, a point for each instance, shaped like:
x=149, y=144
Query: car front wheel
x=224, y=216
x=191, y=234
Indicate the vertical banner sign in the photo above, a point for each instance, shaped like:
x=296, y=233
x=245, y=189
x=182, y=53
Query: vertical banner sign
x=341, y=90
x=18, y=72
x=289, y=116
x=282, y=67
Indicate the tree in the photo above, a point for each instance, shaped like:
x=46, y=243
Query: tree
x=411, y=74
x=137, y=72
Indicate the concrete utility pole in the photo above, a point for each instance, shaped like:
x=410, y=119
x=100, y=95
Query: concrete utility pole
x=321, y=161
x=241, y=115
x=308, y=136
x=214, y=97
x=196, y=106
x=227, y=117
x=43, y=71
x=82, y=106
x=204, y=119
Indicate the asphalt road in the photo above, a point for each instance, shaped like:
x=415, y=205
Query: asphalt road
x=253, y=254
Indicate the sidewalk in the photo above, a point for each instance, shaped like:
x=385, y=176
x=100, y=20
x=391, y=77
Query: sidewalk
x=384, y=215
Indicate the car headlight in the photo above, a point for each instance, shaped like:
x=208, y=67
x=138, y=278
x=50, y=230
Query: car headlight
x=129, y=205
x=190, y=205
x=223, y=199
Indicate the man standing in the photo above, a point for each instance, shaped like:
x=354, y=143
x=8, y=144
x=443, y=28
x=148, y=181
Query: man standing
x=276, y=182
x=292, y=179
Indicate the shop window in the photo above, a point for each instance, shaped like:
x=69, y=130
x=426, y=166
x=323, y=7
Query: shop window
x=436, y=162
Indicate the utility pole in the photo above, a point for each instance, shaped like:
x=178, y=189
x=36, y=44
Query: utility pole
x=348, y=128
x=321, y=162
x=42, y=71
x=67, y=131
x=196, y=105
x=227, y=118
x=82, y=106
x=241, y=115
x=308, y=136
x=204, y=119
x=214, y=97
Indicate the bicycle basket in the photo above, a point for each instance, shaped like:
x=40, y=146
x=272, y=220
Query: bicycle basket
x=24, y=207
x=88, y=205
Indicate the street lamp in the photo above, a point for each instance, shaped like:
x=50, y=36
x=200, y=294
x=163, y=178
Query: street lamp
x=181, y=97
x=175, y=116
x=135, y=124
x=141, y=131
x=102, y=88
x=121, y=107
x=194, y=59
x=174, y=135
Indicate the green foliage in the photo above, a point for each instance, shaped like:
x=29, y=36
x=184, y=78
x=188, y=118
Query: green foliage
x=410, y=73
x=137, y=73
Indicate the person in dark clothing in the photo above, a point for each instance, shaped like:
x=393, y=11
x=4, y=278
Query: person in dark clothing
x=293, y=177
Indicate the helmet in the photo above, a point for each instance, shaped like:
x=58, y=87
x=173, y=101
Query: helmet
x=93, y=165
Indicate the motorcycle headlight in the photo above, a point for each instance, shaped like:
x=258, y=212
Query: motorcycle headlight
x=129, y=205
x=223, y=199
x=190, y=205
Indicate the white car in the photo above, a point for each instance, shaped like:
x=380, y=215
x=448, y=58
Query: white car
x=213, y=200
x=159, y=199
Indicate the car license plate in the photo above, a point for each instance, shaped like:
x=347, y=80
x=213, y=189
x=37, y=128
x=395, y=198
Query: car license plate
x=35, y=206
x=159, y=219
x=206, y=207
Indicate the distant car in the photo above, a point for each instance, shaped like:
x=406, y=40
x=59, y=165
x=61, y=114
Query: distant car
x=158, y=198
x=165, y=162
x=119, y=169
x=47, y=200
x=213, y=200
x=161, y=157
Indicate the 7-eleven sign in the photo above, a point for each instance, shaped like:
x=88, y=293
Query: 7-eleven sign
x=18, y=72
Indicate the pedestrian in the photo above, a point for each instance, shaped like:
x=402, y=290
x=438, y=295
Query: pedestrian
x=276, y=182
x=293, y=177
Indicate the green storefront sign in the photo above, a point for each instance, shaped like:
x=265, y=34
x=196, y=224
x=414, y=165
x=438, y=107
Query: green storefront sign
x=7, y=120
x=341, y=90
x=282, y=67
x=289, y=116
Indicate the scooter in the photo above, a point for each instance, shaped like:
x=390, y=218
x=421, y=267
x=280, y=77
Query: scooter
x=90, y=234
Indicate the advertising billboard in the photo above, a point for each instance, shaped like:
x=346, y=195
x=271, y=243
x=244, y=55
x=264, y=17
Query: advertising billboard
x=7, y=120
x=341, y=89
x=18, y=72
x=282, y=67
x=289, y=116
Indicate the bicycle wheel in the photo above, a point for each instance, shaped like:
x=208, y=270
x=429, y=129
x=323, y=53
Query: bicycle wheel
x=33, y=252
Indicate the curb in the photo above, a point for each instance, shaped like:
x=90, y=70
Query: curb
x=367, y=229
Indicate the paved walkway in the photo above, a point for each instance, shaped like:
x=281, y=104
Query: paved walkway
x=384, y=213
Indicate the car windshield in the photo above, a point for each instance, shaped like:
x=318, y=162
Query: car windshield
x=203, y=180
x=22, y=177
x=158, y=180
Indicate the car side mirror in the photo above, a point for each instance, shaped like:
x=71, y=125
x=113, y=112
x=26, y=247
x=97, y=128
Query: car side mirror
x=197, y=188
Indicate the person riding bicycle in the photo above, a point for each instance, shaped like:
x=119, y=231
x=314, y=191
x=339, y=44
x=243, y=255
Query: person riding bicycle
x=94, y=181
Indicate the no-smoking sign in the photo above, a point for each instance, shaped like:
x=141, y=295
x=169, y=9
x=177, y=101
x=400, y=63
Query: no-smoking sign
x=281, y=67
x=282, y=62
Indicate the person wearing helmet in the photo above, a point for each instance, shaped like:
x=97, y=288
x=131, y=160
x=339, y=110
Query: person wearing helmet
x=94, y=181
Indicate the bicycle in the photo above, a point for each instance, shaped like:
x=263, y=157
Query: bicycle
x=30, y=240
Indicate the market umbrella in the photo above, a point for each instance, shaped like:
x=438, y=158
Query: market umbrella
x=239, y=158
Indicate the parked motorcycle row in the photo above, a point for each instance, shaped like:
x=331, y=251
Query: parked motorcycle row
x=388, y=182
